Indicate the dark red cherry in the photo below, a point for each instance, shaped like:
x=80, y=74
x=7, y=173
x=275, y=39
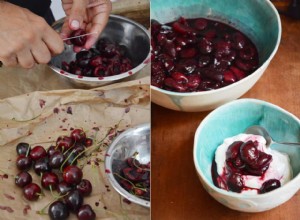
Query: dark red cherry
x=85, y=187
x=233, y=150
x=74, y=200
x=32, y=191
x=96, y=61
x=78, y=41
x=64, y=143
x=262, y=161
x=51, y=150
x=37, y=152
x=200, y=24
x=56, y=160
x=86, y=213
x=79, y=149
x=249, y=152
x=88, y=142
x=49, y=180
x=238, y=40
x=72, y=174
x=23, y=163
x=78, y=135
x=235, y=182
x=42, y=166
x=23, y=148
x=58, y=211
x=84, y=54
x=63, y=188
x=22, y=179
x=269, y=185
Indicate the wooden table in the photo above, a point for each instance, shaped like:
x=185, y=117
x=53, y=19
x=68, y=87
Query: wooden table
x=176, y=191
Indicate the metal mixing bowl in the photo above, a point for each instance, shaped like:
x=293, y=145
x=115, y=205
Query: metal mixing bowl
x=132, y=141
x=120, y=30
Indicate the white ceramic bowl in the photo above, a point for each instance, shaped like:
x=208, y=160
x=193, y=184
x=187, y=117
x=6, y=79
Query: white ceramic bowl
x=259, y=20
x=234, y=118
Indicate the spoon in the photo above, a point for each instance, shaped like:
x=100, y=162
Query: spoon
x=259, y=130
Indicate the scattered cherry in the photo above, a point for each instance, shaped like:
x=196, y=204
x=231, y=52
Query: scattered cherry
x=23, y=162
x=56, y=160
x=72, y=174
x=58, y=211
x=63, y=188
x=32, y=191
x=37, y=152
x=49, y=181
x=85, y=187
x=64, y=143
x=78, y=135
x=42, y=166
x=74, y=200
x=48, y=164
x=22, y=179
x=86, y=213
x=88, y=142
x=23, y=149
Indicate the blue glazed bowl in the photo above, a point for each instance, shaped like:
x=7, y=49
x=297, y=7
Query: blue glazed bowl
x=258, y=19
x=234, y=118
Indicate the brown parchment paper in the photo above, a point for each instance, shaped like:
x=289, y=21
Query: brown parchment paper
x=40, y=117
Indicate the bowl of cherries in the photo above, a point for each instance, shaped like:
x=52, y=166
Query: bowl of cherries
x=206, y=53
x=127, y=164
x=122, y=50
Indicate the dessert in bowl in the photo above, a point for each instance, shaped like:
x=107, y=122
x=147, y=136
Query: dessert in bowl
x=202, y=39
x=226, y=125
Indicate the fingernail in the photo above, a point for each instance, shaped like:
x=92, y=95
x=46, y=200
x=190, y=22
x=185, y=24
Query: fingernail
x=75, y=24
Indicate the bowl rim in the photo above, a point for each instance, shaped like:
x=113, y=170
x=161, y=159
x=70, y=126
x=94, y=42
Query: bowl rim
x=107, y=78
x=110, y=175
x=229, y=193
x=233, y=85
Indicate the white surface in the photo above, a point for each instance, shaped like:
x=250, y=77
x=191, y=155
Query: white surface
x=57, y=9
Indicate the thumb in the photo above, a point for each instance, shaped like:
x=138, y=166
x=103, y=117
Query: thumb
x=77, y=14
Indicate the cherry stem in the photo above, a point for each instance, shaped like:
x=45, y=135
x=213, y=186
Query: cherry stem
x=134, y=186
x=14, y=119
x=134, y=156
x=61, y=167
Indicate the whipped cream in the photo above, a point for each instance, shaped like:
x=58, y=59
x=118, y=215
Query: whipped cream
x=279, y=168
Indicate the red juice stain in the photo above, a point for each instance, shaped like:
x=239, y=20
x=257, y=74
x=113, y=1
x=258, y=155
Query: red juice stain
x=69, y=110
x=42, y=103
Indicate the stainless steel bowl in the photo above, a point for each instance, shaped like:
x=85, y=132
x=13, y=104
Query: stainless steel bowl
x=132, y=141
x=120, y=30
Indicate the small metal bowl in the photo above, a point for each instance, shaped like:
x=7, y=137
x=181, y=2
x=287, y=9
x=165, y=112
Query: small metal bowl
x=120, y=30
x=133, y=141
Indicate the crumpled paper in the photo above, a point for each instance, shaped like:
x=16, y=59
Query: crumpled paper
x=40, y=117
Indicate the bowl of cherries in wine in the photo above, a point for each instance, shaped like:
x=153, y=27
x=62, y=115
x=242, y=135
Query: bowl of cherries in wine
x=204, y=54
x=127, y=164
x=121, y=51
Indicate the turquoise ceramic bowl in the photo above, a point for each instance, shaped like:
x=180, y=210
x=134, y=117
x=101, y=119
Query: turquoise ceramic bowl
x=258, y=19
x=231, y=119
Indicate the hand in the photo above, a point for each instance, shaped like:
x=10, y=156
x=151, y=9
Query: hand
x=26, y=38
x=91, y=15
